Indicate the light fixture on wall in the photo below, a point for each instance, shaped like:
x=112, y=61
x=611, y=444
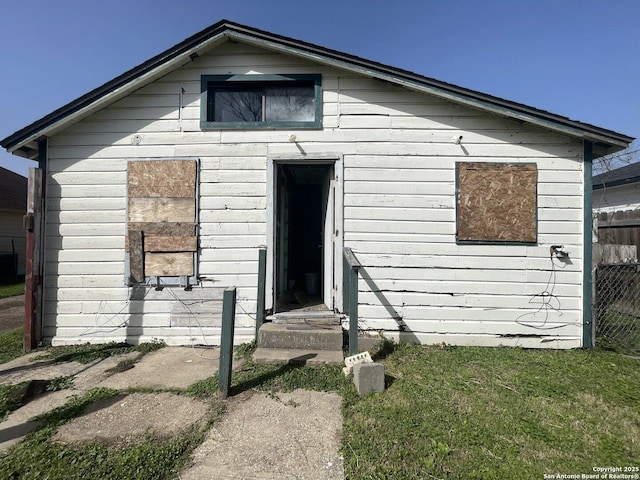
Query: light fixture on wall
x=558, y=252
x=292, y=138
x=457, y=140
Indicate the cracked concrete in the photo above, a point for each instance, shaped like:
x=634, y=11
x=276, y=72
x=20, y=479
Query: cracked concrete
x=261, y=435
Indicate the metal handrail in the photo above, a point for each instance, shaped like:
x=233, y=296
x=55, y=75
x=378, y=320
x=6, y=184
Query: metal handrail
x=350, y=296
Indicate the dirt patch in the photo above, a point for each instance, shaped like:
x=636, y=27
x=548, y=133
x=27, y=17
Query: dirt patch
x=127, y=419
x=11, y=313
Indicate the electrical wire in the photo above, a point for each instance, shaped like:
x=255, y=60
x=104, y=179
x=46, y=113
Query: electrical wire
x=191, y=315
x=107, y=326
x=549, y=302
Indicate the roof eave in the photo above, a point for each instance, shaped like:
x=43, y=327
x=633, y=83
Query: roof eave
x=615, y=183
x=23, y=142
x=607, y=141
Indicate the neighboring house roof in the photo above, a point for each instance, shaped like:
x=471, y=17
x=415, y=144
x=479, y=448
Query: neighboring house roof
x=13, y=191
x=620, y=176
x=23, y=142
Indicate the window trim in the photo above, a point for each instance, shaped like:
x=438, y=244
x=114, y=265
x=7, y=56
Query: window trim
x=205, y=80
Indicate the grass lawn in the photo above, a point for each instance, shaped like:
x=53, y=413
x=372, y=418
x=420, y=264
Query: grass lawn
x=11, y=345
x=449, y=413
x=495, y=413
x=11, y=288
x=619, y=331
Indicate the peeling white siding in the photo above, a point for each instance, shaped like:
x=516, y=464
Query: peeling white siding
x=399, y=214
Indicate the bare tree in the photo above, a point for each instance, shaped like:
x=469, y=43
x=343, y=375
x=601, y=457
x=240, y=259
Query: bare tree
x=619, y=159
x=244, y=106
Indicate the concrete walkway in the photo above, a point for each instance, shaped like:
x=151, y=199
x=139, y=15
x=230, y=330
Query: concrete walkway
x=176, y=367
x=250, y=439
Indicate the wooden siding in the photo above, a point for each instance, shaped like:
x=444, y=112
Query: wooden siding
x=399, y=214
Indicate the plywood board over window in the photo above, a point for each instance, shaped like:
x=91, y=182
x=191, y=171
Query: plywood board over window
x=162, y=218
x=497, y=202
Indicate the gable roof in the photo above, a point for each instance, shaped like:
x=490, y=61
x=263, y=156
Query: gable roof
x=620, y=176
x=13, y=191
x=23, y=142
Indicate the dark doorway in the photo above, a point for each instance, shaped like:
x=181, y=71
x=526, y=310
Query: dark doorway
x=303, y=199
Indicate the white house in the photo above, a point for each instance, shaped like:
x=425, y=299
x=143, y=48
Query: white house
x=616, y=207
x=470, y=214
x=617, y=190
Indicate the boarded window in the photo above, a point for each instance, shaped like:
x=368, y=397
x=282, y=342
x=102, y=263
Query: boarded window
x=496, y=202
x=162, y=219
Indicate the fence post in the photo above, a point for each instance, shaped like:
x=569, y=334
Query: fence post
x=226, y=341
x=594, y=305
x=262, y=280
x=34, y=259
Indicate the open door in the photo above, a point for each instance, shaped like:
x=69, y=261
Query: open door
x=328, y=239
x=304, y=235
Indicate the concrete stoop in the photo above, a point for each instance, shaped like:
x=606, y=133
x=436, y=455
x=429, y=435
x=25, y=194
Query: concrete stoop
x=283, y=356
x=321, y=317
x=312, y=345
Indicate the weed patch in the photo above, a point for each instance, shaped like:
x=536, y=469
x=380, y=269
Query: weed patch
x=9, y=398
x=38, y=457
x=15, y=396
x=12, y=288
x=11, y=345
x=88, y=353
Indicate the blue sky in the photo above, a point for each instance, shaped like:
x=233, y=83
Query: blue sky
x=577, y=58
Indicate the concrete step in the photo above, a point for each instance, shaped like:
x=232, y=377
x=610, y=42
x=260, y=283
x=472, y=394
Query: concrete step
x=311, y=358
x=300, y=336
x=321, y=317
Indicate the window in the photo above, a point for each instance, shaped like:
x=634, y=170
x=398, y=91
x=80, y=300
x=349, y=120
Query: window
x=161, y=242
x=261, y=101
x=496, y=202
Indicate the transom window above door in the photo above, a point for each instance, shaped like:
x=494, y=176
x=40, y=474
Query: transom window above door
x=261, y=101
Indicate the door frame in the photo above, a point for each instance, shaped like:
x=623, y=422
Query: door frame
x=338, y=216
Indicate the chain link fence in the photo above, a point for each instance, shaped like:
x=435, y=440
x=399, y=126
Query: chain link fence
x=617, y=306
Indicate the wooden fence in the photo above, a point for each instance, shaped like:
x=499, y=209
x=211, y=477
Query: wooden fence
x=619, y=228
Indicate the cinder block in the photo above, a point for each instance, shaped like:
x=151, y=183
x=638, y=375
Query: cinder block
x=368, y=377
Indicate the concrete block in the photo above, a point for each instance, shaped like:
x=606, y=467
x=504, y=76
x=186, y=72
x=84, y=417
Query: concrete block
x=349, y=362
x=368, y=377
